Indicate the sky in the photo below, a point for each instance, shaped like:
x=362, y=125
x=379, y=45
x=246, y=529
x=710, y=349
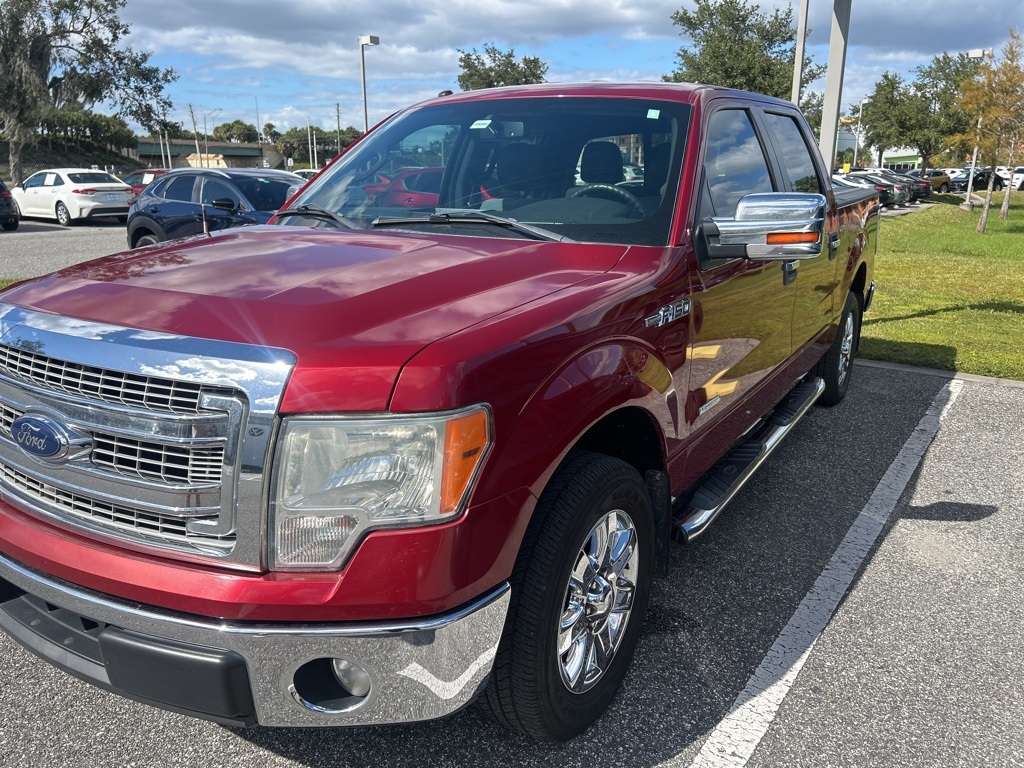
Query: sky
x=298, y=61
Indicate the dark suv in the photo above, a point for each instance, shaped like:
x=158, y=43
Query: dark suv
x=178, y=203
x=9, y=213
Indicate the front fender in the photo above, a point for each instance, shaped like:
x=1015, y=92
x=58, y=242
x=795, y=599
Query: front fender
x=594, y=384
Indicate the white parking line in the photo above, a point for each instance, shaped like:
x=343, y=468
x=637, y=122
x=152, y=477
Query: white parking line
x=734, y=739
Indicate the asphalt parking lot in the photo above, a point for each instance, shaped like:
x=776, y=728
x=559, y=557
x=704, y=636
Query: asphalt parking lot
x=861, y=603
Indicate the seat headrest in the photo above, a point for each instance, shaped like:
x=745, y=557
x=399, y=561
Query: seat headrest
x=523, y=168
x=601, y=163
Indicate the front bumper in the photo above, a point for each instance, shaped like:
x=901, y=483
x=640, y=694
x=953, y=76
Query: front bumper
x=241, y=673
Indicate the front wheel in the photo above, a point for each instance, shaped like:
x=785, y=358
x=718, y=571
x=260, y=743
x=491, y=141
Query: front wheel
x=579, y=594
x=10, y=226
x=836, y=366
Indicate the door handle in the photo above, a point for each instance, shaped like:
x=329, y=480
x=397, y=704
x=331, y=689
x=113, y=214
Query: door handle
x=833, y=245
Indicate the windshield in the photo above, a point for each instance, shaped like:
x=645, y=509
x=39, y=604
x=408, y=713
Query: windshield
x=559, y=163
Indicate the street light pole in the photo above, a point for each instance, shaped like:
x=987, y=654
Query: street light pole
x=206, y=138
x=365, y=40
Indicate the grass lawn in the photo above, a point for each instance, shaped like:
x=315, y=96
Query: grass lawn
x=948, y=297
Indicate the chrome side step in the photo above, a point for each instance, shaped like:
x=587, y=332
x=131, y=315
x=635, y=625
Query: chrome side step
x=719, y=488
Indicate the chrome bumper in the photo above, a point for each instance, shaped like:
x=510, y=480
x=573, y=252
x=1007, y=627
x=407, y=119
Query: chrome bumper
x=417, y=669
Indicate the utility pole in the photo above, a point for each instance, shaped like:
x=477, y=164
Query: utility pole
x=195, y=135
x=259, y=136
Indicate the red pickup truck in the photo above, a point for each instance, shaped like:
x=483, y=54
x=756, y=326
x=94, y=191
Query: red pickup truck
x=373, y=461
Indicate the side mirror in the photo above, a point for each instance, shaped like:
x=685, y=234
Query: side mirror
x=224, y=204
x=770, y=226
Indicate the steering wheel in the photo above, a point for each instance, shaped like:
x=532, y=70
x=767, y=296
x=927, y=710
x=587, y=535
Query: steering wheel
x=623, y=195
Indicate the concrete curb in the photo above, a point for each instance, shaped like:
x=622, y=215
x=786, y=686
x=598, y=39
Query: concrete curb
x=1012, y=383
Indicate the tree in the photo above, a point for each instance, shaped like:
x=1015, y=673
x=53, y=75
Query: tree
x=811, y=105
x=995, y=99
x=495, y=68
x=235, y=131
x=884, y=117
x=736, y=46
x=270, y=133
x=59, y=52
x=932, y=113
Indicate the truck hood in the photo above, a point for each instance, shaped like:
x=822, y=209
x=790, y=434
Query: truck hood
x=353, y=306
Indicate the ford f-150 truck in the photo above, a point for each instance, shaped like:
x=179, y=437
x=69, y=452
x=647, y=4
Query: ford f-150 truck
x=387, y=456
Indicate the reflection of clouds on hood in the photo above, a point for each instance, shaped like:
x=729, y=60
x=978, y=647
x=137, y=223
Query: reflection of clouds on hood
x=204, y=369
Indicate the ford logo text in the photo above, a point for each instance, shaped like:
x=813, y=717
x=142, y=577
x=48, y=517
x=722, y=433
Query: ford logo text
x=45, y=438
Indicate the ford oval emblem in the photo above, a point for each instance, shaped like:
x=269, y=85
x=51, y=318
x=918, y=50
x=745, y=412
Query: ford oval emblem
x=45, y=438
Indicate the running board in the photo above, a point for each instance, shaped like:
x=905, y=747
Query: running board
x=719, y=488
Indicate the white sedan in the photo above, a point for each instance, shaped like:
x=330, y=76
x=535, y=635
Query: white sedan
x=67, y=194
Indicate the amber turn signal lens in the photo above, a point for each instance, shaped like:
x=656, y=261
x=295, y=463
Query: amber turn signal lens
x=466, y=441
x=791, y=238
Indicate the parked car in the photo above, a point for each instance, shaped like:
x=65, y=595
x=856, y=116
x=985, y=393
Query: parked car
x=917, y=188
x=887, y=195
x=412, y=188
x=901, y=190
x=633, y=172
x=189, y=201
x=981, y=177
x=9, y=213
x=307, y=173
x=1017, y=179
x=938, y=179
x=70, y=194
x=368, y=466
x=141, y=178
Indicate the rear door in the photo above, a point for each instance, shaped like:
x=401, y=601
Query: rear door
x=174, y=208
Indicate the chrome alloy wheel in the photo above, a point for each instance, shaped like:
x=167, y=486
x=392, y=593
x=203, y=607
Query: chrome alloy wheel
x=846, y=350
x=598, y=601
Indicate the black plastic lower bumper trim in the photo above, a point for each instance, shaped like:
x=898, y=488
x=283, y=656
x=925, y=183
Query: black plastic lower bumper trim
x=209, y=683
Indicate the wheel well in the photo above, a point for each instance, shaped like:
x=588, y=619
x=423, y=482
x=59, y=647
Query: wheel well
x=140, y=232
x=627, y=434
x=859, y=284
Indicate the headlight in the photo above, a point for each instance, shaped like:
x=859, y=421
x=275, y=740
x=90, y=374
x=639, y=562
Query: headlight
x=335, y=478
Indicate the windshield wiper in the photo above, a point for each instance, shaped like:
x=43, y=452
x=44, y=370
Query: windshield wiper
x=475, y=217
x=316, y=212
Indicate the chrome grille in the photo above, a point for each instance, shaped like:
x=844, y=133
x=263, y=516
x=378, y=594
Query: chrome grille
x=131, y=457
x=104, y=384
x=145, y=525
x=178, y=432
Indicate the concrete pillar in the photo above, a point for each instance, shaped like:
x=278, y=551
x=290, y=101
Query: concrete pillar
x=834, y=80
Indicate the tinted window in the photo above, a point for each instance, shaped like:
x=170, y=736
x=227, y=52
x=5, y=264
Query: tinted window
x=266, y=193
x=179, y=189
x=734, y=162
x=214, y=189
x=796, y=157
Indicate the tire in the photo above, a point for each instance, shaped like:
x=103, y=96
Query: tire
x=147, y=239
x=558, y=597
x=10, y=226
x=836, y=367
x=943, y=188
x=63, y=215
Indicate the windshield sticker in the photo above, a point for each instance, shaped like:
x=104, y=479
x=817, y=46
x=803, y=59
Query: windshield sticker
x=653, y=114
x=479, y=124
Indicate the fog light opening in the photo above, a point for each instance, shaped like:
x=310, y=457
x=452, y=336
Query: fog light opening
x=332, y=686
